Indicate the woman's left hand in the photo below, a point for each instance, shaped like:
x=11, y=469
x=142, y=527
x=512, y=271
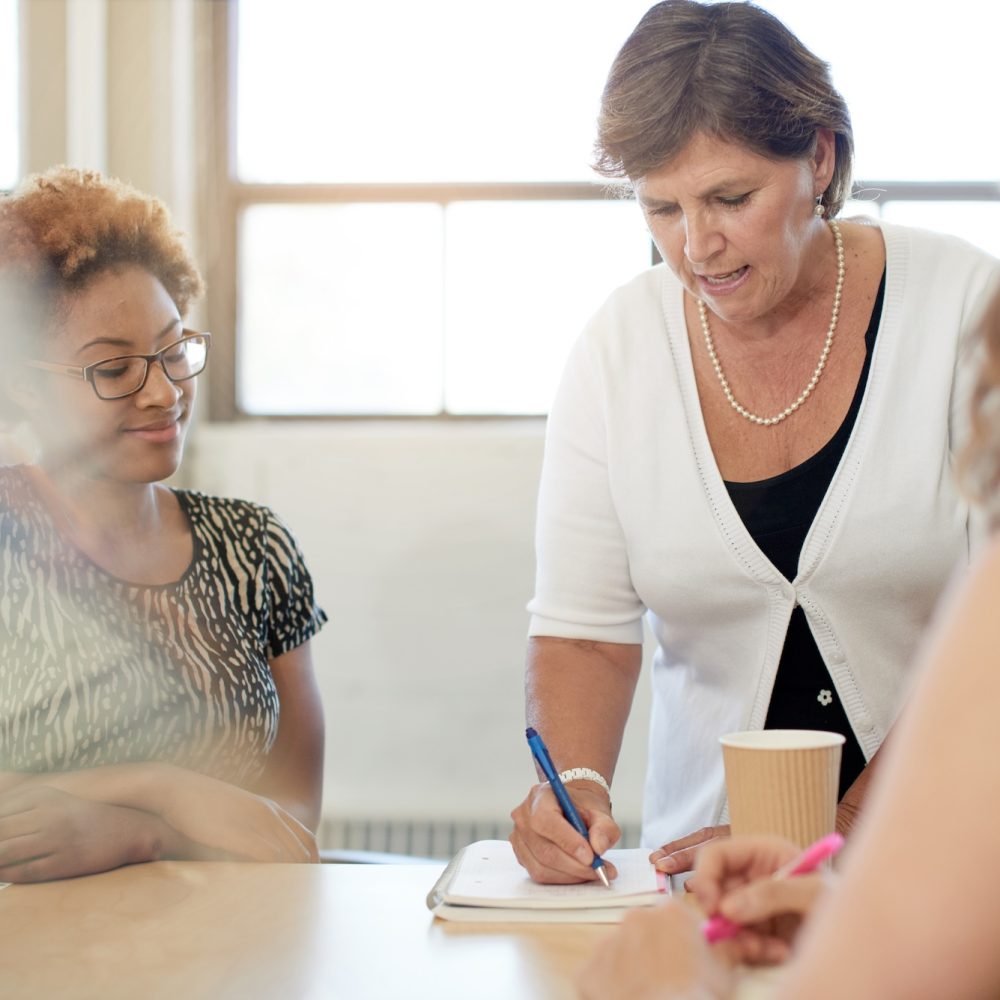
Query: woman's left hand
x=658, y=952
x=46, y=833
x=202, y=814
x=679, y=856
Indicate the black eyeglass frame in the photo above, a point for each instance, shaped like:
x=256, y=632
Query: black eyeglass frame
x=87, y=372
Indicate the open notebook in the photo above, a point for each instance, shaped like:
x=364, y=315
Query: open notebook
x=484, y=882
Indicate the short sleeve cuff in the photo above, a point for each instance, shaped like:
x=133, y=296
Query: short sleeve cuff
x=299, y=635
x=629, y=633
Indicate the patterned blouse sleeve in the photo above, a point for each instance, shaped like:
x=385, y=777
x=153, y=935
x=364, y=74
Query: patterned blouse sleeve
x=294, y=616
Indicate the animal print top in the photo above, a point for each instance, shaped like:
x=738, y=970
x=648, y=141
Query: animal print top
x=95, y=670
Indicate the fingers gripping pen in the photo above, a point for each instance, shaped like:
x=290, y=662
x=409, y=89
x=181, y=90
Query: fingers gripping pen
x=541, y=755
x=718, y=928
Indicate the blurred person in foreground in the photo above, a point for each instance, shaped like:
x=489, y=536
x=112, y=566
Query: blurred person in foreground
x=157, y=696
x=915, y=913
x=752, y=444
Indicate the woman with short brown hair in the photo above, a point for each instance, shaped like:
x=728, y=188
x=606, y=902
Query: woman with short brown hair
x=751, y=446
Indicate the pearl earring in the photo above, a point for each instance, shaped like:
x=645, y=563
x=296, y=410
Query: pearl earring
x=819, y=211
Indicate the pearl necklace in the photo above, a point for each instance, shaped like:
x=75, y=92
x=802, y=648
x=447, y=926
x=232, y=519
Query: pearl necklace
x=804, y=395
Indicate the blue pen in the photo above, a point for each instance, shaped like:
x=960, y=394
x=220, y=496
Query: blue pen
x=541, y=754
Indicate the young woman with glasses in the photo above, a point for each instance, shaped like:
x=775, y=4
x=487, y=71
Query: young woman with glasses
x=148, y=635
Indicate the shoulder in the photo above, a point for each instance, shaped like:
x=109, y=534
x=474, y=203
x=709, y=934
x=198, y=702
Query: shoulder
x=626, y=350
x=639, y=298
x=633, y=322
x=239, y=517
x=226, y=513
x=925, y=252
x=935, y=283
x=243, y=523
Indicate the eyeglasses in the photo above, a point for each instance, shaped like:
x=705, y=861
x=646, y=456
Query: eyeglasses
x=123, y=376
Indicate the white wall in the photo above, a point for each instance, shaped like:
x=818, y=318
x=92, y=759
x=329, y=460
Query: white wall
x=419, y=536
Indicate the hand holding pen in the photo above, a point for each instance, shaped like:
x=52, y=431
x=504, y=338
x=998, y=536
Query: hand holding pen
x=756, y=884
x=569, y=810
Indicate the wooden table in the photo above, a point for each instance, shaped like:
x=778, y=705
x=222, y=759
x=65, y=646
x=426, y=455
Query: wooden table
x=197, y=930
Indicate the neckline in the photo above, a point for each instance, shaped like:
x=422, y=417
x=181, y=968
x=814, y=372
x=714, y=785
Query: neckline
x=836, y=440
x=737, y=538
x=27, y=477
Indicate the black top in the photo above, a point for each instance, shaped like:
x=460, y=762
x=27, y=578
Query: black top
x=778, y=513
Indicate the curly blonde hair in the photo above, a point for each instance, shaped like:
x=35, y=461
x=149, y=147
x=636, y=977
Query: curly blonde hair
x=979, y=463
x=60, y=229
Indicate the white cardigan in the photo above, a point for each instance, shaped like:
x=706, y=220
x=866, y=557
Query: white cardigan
x=633, y=516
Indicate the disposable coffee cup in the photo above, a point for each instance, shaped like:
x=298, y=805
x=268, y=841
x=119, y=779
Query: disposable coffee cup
x=783, y=781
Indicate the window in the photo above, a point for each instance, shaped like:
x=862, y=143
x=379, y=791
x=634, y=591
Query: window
x=9, y=95
x=420, y=308
x=417, y=229
x=414, y=222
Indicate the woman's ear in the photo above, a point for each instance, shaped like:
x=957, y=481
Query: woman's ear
x=824, y=158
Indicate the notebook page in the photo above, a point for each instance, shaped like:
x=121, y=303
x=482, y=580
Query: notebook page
x=489, y=875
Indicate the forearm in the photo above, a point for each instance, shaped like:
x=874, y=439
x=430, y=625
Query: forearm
x=578, y=696
x=850, y=806
x=304, y=803
x=144, y=786
x=293, y=775
x=207, y=811
x=48, y=834
x=149, y=838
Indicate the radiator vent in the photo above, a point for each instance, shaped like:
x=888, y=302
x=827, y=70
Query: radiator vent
x=423, y=838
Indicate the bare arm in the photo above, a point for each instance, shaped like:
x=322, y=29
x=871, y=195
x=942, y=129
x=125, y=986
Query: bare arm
x=917, y=912
x=579, y=694
x=200, y=809
x=294, y=774
x=273, y=822
x=48, y=834
x=578, y=697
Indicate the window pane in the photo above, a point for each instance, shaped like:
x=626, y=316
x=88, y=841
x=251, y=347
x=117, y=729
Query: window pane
x=977, y=222
x=449, y=90
x=914, y=83
x=445, y=90
x=523, y=278
x=9, y=144
x=340, y=309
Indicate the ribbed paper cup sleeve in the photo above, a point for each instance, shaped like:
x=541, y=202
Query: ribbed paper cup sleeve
x=783, y=782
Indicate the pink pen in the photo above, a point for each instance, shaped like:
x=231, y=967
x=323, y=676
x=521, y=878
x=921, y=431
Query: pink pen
x=718, y=928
